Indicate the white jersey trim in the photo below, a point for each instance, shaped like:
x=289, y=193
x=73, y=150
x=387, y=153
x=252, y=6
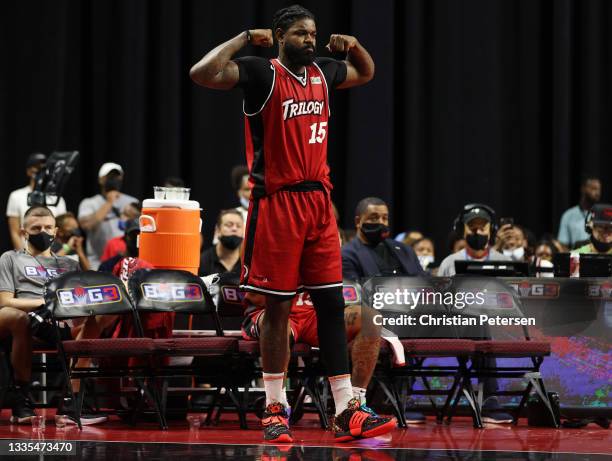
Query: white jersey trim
x=267, y=99
x=303, y=81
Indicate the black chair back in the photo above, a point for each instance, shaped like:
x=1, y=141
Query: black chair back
x=84, y=294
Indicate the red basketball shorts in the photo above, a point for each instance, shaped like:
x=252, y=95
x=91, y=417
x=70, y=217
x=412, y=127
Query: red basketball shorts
x=291, y=242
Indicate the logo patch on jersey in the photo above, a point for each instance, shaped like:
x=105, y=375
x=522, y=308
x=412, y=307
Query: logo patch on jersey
x=42, y=272
x=175, y=292
x=315, y=80
x=89, y=296
x=293, y=108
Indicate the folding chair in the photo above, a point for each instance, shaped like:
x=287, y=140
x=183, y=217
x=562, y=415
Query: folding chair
x=159, y=291
x=88, y=294
x=397, y=383
x=512, y=342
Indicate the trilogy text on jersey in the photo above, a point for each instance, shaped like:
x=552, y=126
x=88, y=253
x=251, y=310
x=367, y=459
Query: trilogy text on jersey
x=292, y=108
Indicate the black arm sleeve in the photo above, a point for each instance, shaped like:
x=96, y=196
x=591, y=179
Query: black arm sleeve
x=255, y=79
x=333, y=70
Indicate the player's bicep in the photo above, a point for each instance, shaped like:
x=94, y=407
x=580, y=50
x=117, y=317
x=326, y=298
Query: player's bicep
x=353, y=77
x=226, y=79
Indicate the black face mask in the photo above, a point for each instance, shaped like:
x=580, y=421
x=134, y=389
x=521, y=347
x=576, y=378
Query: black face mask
x=41, y=241
x=374, y=232
x=231, y=242
x=601, y=247
x=113, y=183
x=477, y=241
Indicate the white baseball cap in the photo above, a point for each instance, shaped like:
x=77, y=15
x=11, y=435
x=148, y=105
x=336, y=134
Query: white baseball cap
x=108, y=167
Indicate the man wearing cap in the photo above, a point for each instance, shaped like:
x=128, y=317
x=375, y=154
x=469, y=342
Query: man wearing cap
x=476, y=224
x=599, y=225
x=99, y=216
x=18, y=200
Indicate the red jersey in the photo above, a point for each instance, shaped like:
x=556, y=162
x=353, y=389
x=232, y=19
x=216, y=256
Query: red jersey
x=286, y=135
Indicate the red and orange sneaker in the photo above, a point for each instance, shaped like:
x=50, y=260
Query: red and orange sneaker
x=356, y=422
x=275, y=423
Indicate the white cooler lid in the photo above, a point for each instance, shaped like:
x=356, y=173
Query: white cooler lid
x=183, y=204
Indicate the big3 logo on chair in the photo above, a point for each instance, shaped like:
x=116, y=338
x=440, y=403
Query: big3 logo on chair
x=174, y=292
x=87, y=296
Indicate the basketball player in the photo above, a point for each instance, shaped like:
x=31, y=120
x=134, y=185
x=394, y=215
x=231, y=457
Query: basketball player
x=291, y=239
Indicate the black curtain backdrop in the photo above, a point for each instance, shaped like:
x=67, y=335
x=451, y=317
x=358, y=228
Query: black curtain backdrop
x=505, y=102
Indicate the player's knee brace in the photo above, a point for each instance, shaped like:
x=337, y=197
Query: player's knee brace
x=329, y=305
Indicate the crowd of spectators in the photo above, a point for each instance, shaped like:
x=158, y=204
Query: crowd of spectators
x=103, y=236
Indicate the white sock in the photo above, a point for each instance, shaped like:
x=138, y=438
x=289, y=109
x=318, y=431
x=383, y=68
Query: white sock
x=360, y=393
x=342, y=390
x=275, y=391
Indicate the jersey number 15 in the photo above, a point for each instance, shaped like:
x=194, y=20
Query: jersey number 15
x=317, y=135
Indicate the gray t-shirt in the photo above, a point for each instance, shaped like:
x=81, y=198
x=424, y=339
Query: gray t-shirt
x=98, y=236
x=447, y=267
x=25, y=276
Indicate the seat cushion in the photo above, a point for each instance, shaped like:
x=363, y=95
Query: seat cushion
x=248, y=347
x=109, y=347
x=438, y=347
x=513, y=348
x=200, y=346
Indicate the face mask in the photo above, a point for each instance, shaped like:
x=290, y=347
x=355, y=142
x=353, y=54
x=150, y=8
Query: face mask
x=244, y=202
x=601, y=247
x=122, y=224
x=231, y=242
x=477, y=241
x=374, y=232
x=113, y=183
x=425, y=260
x=516, y=255
x=41, y=241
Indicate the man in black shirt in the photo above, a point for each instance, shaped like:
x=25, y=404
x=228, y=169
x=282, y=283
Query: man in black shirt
x=224, y=256
x=372, y=252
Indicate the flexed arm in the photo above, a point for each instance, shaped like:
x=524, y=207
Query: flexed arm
x=359, y=63
x=216, y=69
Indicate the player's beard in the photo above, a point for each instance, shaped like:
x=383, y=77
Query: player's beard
x=300, y=56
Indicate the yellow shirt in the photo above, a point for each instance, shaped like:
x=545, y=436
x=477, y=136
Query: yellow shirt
x=589, y=248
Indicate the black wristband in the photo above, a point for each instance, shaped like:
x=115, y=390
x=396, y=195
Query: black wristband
x=248, y=36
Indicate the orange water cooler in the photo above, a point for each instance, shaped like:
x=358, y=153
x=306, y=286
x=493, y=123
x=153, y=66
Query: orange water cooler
x=170, y=234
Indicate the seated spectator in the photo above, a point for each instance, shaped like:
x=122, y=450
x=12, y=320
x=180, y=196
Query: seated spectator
x=224, y=256
x=511, y=242
x=99, y=216
x=18, y=200
x=116, y=245
x=69, y=240
x=571, y=227
x=242, y=187
x=599, y=227
x=130, y=239
x=545, y=250
x=373, y=252
x=475, y=221
x=23, y=275
x=303, y=328
x=424, y=249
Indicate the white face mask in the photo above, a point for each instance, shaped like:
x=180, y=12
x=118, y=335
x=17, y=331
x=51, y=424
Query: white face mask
x=516, y=254
x=425, y=260
x=244, y=202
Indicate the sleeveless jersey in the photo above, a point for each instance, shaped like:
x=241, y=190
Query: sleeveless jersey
x=286, y=140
